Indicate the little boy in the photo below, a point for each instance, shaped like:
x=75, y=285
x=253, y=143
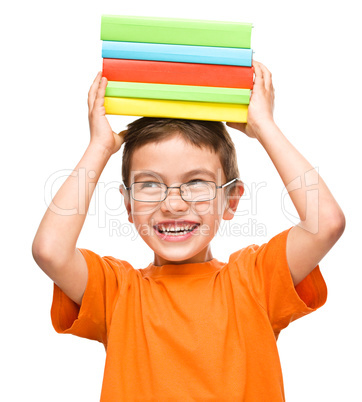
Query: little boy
x=188, y=327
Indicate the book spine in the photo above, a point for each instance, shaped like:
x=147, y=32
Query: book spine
x=177, y=92
x=176, y=31
x=177, y=53
x=176, y=109
x=159, y=72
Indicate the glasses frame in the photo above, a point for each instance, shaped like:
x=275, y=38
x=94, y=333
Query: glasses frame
x=179, y=187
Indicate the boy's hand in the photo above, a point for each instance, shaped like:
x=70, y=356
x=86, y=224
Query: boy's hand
x=321, y=219
x=260, y=111
x=55, y=244
x=100, y=130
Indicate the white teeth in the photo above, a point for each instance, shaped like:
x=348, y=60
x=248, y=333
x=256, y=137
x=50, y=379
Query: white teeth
x=179, y=230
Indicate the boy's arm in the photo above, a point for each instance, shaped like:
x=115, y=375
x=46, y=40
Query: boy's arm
x=321, y=219
x=54, y=246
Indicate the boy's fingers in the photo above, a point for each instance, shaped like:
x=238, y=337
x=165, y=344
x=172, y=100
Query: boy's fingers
x=120, y=138
x=267, y=77
x=259, y=78
x=99, y=100
x=93, y=89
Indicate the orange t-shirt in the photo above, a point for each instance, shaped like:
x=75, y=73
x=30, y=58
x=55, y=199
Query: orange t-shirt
x=191, y=332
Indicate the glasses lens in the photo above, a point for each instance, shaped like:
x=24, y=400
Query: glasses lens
x=198, y=191
x=148, y=191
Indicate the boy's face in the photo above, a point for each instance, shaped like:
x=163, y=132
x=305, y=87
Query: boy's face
x=173, y=162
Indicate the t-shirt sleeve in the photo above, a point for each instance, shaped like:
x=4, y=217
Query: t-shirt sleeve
x=92, y=319
x=270, y=281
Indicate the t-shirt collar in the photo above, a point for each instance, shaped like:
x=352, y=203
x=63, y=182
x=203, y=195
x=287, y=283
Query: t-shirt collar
x=195, y=268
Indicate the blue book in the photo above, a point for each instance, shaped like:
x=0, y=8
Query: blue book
x=177, y=53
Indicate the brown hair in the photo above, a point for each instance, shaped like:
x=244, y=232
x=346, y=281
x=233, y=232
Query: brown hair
x=211, y=134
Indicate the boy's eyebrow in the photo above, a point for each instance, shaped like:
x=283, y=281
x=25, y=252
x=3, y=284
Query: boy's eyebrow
x=184, y=176
x=200, y=171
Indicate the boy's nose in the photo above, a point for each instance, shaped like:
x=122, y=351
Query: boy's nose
x=174, y=202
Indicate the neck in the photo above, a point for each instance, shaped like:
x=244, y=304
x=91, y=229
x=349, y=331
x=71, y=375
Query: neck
x=203, y=256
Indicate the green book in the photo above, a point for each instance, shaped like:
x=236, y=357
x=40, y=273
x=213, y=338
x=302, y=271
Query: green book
x=175, y=31
x=119, y=89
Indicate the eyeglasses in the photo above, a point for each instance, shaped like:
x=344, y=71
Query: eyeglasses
x=193, y=191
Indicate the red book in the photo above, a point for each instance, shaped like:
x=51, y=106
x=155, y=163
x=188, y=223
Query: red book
x=163, y=72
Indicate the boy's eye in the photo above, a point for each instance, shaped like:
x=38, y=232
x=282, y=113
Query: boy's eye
x=150, y=184
x=196, y=182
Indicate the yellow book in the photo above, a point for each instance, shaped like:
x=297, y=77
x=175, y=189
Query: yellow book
x=176, y=109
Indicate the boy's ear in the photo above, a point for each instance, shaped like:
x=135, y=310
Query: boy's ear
x=127, y=201
x=232, y=200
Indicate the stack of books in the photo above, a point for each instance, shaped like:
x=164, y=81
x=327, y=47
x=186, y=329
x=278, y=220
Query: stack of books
x=177, y=68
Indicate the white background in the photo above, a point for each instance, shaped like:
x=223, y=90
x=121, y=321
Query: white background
x=50, y=54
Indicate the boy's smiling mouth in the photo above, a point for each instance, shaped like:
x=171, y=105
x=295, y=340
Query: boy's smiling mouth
x=175, y=230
